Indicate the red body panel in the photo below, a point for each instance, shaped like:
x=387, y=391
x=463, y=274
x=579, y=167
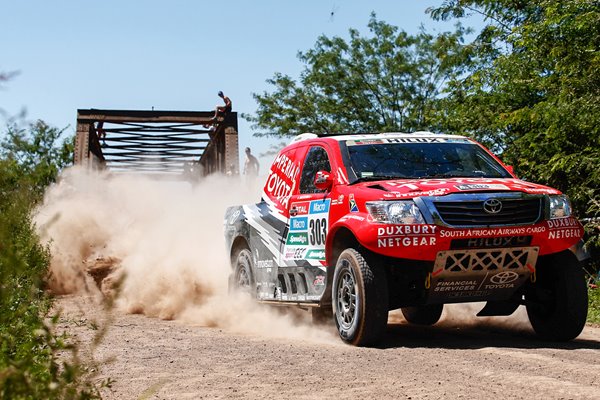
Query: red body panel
x=416, y=242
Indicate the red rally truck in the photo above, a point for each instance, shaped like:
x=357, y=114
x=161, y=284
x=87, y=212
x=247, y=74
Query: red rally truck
x=357, y=225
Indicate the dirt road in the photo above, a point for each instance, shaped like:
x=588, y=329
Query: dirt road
x=172, y=265
x=151, y=358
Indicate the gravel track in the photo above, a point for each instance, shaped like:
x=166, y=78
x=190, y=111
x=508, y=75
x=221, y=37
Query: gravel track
x=150, y=358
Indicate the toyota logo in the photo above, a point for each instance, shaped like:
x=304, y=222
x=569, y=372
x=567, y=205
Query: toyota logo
x=492, y=206
x=505, y=277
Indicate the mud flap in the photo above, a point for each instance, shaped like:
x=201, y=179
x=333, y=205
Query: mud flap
x=498, y=308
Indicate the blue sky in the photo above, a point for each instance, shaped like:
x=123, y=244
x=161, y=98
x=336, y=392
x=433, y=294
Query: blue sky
x=173, y=55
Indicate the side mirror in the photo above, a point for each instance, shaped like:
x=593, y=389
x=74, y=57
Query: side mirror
x=323, y=180
x=510, y=169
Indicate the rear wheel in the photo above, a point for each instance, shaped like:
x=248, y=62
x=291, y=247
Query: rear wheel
x=241, y=280
x=428, y=314
x=360, y=299
x=557, y=302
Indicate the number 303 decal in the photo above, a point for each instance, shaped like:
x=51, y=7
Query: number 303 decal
x=318, y=231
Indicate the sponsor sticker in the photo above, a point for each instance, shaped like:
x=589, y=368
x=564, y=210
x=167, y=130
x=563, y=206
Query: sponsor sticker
x=264, y=264
x=563, y=228
x=406, y=241
x=319, y=206
x=315, y=254
x=339, y=200
x=294, y=253
x=504, y=277
x=352, y=203
x=456, y=286
x=415, y=140
x=481, y=186
x=404, y=230
x=468, y=233
x=355, y=217
x=564, y=234
x=298, y=224
x=492, y=242
x=412, y=194
x=406, y=235
x=559, y=223
x=301, y=207
x=363, y=142
x=319, y=280
x=297, y=239
x=307, y=232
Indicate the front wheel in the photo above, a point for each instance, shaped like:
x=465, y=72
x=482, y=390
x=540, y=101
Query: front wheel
x=428, y=314
x=359, y=299
x=557, y=303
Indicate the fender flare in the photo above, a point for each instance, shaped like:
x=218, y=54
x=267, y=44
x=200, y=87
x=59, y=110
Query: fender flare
x=354, y=227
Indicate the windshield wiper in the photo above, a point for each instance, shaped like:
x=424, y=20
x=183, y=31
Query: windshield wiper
x=376, y=178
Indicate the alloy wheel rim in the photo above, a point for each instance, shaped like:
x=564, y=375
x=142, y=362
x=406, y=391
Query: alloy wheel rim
x=243, y=280
x=346, y=298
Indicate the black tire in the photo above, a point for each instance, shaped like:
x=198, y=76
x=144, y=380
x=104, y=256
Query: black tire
x=322, y=315
x=360, y=299
x=428, y=314
x=241, y=279
x=557, y=303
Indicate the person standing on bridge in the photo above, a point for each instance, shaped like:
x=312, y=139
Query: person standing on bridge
x=251, y=164
x=222, y=110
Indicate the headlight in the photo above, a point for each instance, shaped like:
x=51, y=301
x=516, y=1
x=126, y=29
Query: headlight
x=395, y=212
x=559, y=206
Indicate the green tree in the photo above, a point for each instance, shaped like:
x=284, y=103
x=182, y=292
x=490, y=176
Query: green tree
x=38, y=152
x=532, y=92
x=387, y=81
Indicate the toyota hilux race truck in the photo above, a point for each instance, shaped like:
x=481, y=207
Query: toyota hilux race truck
x=357, y=225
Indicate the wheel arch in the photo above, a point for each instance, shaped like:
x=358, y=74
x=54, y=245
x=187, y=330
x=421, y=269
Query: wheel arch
x=339, y=239
x=239, y=243
x=564, y=259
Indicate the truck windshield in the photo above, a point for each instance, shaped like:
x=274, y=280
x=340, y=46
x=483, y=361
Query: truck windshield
x=383, y=159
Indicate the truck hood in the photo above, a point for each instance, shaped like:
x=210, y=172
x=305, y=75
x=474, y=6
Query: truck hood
x=407, y=188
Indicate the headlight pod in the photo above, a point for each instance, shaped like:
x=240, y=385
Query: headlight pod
x=395, y=212
x=560, y=206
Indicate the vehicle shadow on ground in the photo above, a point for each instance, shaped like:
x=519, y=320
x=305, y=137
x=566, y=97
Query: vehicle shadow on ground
x=473, y=337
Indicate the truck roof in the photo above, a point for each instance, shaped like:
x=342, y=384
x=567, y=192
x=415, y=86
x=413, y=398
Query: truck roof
x=384, y=135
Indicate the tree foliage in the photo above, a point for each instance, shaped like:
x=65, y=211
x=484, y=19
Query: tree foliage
x=38, y=152
x=533, y=92
x=528, y=87
x=387, y=81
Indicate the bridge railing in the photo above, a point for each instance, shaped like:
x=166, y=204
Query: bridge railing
x=157, y=142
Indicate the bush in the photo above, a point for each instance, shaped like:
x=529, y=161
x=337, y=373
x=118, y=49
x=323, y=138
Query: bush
x=594, y=304
x=30, y=366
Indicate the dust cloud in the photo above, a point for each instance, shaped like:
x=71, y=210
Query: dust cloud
x=465, y=316
x=160, y=243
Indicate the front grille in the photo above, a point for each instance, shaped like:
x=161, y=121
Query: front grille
x=472, y=213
